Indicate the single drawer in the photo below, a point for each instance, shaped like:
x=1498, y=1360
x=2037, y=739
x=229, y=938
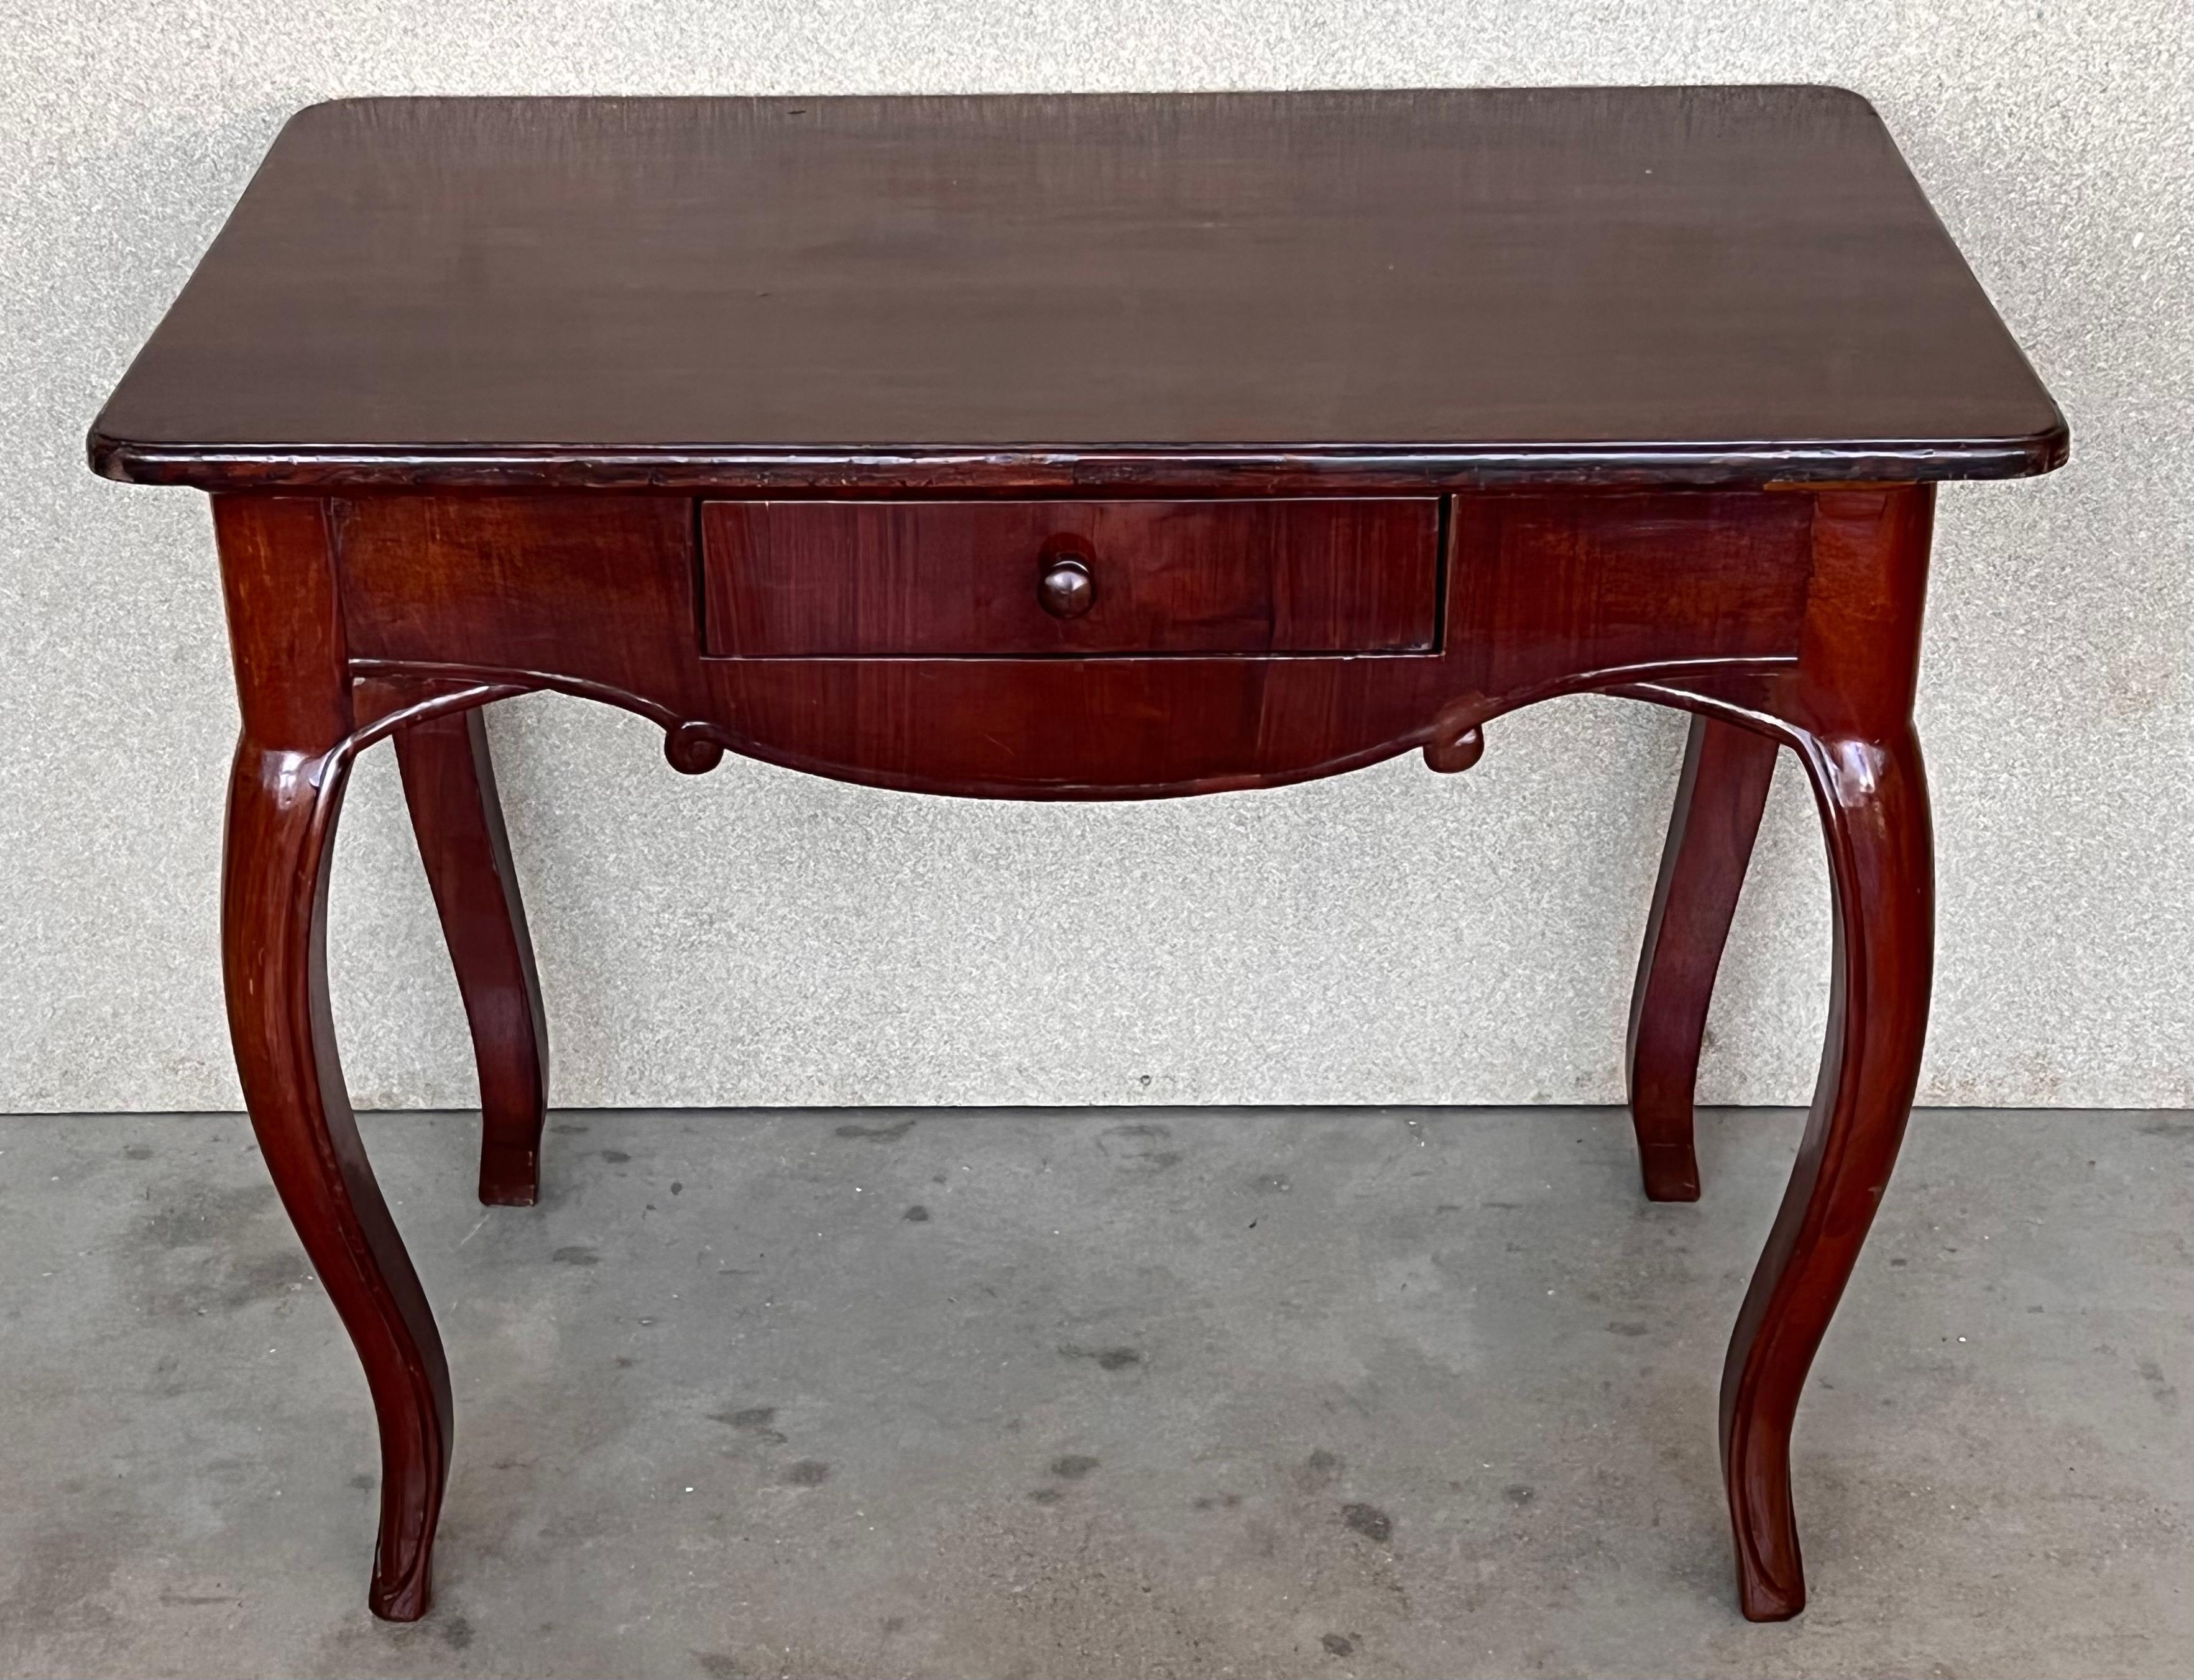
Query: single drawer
x=1013, y=579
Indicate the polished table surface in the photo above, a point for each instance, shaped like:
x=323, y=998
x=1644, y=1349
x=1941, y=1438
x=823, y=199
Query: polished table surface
x=1080, y=447
x=1700, y=284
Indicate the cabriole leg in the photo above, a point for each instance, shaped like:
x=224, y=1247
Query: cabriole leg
x=449, y=783
x=1873, y=799
x=285, y=791
x=1719, y=801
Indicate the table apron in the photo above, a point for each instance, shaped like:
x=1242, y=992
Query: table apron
x=601, y=594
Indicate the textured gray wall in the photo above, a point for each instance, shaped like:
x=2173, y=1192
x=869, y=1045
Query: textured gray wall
x=754, y=938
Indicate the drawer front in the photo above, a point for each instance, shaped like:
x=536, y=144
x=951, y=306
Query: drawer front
x=1017, y=579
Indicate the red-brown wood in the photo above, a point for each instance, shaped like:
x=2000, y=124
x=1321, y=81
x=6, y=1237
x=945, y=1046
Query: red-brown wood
x=1848, y=712
x=1873, y=807
x=1546, y=594
x=1303, y=293
x=1644, y=395
x=284, y=794
x=1690, y=598
x=783, y=579
x=449, y=783
x=1719, y=797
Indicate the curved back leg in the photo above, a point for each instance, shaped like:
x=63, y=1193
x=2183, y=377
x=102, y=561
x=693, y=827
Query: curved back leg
x=285, y=790
x=1719, y=801
x=448, y=783
x=1873, y=798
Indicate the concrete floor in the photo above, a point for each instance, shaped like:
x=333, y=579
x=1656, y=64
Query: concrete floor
x=1105, y=1393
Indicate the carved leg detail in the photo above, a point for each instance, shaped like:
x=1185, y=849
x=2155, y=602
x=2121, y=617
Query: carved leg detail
x=282, y=809
x=1873, y=799
x=449, y=782
x=1719, y=801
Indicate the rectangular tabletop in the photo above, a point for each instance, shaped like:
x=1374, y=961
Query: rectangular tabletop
x=1722, y=286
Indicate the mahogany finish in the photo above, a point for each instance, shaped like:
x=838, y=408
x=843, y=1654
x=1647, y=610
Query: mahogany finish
x=1719, y=799
x=1088, y=448
x=1256, y=293
x=597, y=595
x=449, y=783
x=284, y=792
x=1067, y=588
x=786, y=579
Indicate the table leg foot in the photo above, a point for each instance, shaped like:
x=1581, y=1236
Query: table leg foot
x=448, y=783
x=282, y=811
x=1719, y=801
x=1873, y=799
x=1669, y=1170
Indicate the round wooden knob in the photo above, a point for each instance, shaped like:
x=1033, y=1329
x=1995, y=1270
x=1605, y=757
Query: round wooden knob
x=1066, y=590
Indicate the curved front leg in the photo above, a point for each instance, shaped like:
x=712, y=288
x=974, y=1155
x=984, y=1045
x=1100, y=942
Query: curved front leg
x=284, y=791
x=449, y=783
x=282, y=808
x=1873, y=798
x=1719, y=801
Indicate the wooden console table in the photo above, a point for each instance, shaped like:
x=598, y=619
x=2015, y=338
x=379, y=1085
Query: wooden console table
x=1079, y=448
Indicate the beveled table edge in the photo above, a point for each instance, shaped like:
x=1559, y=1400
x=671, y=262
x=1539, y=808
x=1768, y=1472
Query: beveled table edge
x=1022, y=468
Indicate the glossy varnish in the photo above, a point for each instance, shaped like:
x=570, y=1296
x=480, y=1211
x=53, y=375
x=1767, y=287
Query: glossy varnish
x=1544, y=594
x=1318, y=574
x=1715, y=284
x=1080, y=449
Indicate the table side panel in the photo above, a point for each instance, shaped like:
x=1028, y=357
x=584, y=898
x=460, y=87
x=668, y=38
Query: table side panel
x=598, y=589
x=1547, y=588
